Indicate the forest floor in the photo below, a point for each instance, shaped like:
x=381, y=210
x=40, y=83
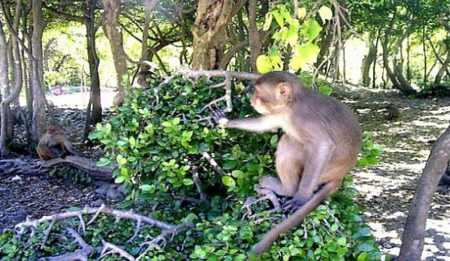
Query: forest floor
x=385, y=189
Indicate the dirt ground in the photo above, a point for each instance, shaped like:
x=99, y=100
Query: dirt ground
x=385, y=189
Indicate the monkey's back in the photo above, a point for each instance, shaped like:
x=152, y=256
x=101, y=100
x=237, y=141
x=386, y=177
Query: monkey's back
x=340, y=123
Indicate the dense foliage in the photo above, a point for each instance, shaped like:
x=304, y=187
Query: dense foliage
x=156, y=143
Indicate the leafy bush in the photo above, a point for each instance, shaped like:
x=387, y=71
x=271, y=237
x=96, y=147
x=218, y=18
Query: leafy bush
x=156, y=146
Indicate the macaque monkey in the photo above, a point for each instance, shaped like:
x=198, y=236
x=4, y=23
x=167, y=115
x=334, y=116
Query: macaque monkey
x=320, y=144
x=393, y=112
x=119, y=98
x=54, y=144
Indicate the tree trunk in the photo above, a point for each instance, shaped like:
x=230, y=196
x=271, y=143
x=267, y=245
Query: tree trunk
x=398, y=80
x=375, y=58
x=253, y=35
x=4, y=90
x=425, y=74
x=210, y=33
x=37, y=71
x=368, y=60
x=414, y=235
x=110, y=15
x=443, y=69
x=94, y=112
x=16, y=65
x=408, y=60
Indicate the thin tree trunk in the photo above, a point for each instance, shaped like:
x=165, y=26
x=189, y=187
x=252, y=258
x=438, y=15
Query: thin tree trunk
x=425, y=74
x=37, y=127
x=94, y=110
x=111, y=14
x=398, y=80
x=253, y=35
x=368, y=60
x=408, y=59
x=375, y=58
x=4, y=90
x=414, y=233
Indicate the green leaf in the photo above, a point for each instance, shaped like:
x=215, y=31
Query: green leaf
x=324, y=89
x=342, y=241
x=292, y=35
x=188, y=182
x=103, y=162
x=229, y=181
x=311, y=29
x=301, y=12
x=306, y=54
x=146, y=187
x=278, y=18
x=176, y=121
x=268, y=22
x=325, y=13
x=274, y=140
x=120, y=179
x=264, y=64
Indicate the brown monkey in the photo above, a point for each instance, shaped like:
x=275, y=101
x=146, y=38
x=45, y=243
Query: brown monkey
x=54, y=144
x=393, y=112
x=119, y=98
x=321, y=142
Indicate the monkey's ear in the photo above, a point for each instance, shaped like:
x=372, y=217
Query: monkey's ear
x=284, y=89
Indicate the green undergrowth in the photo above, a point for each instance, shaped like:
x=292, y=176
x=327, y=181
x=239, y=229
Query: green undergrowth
x=157, y=142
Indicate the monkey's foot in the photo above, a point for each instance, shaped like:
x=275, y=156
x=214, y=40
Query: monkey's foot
x=263, y=194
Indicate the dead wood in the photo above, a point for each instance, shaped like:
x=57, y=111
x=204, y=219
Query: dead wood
x=27, y=166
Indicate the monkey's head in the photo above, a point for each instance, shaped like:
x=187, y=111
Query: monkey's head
x=275, y=91
x=54, y=128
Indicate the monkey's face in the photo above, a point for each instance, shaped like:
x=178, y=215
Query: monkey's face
x=269, y=99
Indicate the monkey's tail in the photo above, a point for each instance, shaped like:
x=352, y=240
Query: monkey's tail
x=295, y=219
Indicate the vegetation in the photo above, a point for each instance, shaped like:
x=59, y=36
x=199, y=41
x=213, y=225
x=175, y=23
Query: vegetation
x=160, y=144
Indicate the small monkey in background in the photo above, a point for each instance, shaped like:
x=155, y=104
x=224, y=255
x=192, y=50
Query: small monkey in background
x=320, y=144
x=55, y=144
x=119, y=98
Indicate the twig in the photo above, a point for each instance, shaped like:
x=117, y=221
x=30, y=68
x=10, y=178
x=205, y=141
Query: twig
x=198, y=184
x=213, y=163
x=109, y=249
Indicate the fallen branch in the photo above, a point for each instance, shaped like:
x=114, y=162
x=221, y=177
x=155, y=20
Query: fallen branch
x=108, y=248
x=27, y=166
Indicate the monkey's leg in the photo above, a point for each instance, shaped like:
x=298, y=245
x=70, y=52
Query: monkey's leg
x=317, y=160
x=289, y=158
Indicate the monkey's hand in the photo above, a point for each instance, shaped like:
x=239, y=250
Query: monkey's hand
x=219, y=118
x=295, y=203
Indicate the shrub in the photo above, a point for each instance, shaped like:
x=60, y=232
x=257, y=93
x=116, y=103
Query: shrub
x=157, y=144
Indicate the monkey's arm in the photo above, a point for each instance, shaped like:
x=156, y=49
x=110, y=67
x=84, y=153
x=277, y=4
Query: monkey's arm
x=266, y=123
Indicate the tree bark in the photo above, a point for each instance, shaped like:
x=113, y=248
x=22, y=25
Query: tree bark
x=368, y=60
x=110, y=23
x=444, y=64
x=398, y=80
x=414, y=236
x=4, y=90
x=94, y=110
x=253, y=35
x=210, y=33
x=37, y=127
